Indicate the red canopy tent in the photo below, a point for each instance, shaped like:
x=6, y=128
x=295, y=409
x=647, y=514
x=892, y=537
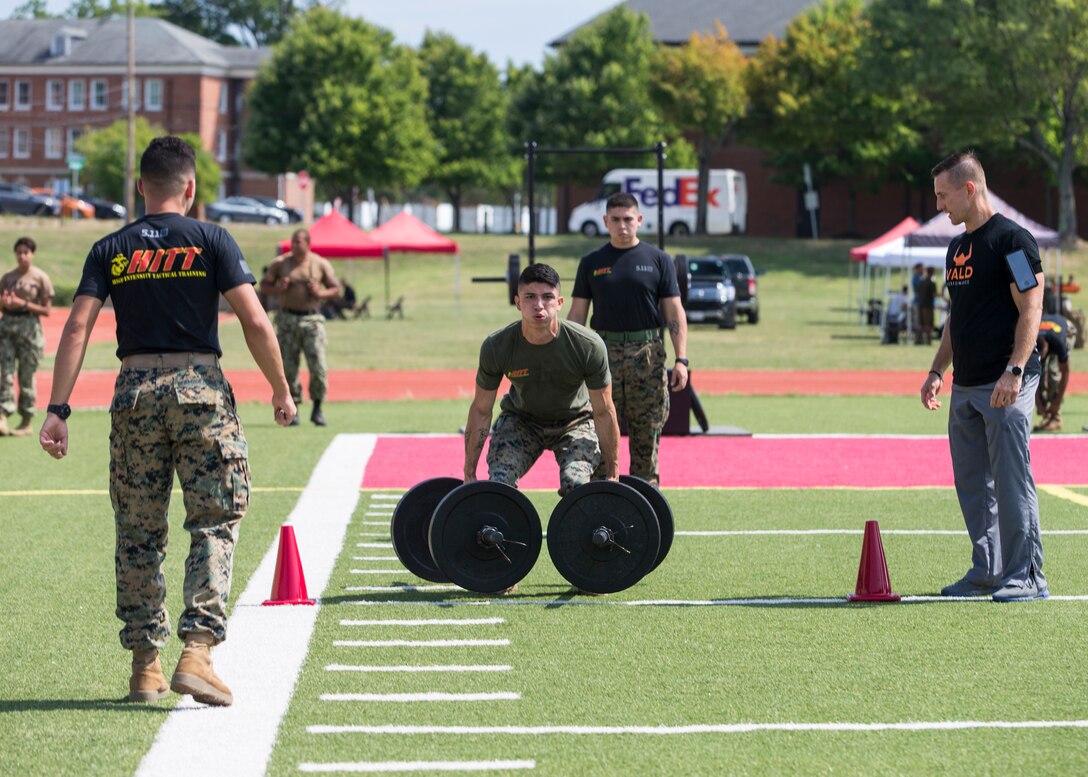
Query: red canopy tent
x=334, y=237
x=404, y=233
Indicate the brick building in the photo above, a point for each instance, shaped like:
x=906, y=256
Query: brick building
x=60, y=78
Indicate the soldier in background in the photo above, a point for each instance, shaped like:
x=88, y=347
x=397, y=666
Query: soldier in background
x=26, y=295
x=172, y=411
x=1054, y=354
x=303, y=282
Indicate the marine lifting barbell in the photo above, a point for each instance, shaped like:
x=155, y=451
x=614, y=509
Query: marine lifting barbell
x=485, y=537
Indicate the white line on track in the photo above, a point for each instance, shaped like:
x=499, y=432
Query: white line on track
x=246, y=731
x=428, y=622
x=377, y=514
x=384, y=767
x=422, y=643
x=374, y=558
x=785, y=602
x=425, y=696
x=406, y=668
x=403, y=589
x=858, y=532
x=375, y=523
x=377, y=571
x=720, y=728
x=374, y=545
x=374, y=533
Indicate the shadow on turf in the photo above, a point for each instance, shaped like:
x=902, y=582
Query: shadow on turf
x=121, y=704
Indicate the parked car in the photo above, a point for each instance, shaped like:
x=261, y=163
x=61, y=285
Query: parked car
x=743, y=275
x=104, y=209
x=70, y=207
x=711, y=295
x=244, y=209
x=294, y=214
x=17, y=198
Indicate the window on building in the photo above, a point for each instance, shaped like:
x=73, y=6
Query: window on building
x=22, y=95
x=100, y=95
x=221, y=146
x=124, y=93
x=223, y=99
x=74, y=134
x=153, y=94
x=77, y=94
x=54, y=143
x=4, y=141
x=5, y=95
x=21, y=148
x=54, y=95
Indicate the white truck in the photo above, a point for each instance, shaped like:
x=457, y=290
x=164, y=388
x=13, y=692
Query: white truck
x=727, y=201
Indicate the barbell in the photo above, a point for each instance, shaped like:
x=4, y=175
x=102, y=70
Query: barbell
x=485, y=536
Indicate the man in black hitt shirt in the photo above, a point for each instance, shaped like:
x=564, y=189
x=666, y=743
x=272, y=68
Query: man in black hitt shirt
x=989, y=338
x=172, y=410
x=634, y=293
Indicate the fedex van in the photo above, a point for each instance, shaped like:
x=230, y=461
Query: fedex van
x=727, y=201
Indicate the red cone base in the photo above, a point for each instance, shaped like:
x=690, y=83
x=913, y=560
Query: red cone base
x=873, y=583
x=289, y=584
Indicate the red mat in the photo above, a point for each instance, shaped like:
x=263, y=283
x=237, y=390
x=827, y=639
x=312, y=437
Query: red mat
x=744, y=462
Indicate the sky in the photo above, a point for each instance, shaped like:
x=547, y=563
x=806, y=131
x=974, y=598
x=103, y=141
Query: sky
x=514, y=30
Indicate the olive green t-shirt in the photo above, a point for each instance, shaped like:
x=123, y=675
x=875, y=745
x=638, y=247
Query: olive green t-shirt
x=547, y=382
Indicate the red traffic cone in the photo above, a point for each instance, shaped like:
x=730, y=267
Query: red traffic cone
x=289, y=584
x=873, y=583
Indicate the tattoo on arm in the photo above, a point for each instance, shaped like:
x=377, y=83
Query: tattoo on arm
x=674, y=327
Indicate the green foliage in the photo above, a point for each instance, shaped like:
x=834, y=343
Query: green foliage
x=340, y=100
x=233, y=22
x=33, y=9
x=105, y=150
x=1003, y=74
x=466, y=109
x=102, y=9
x=701, y=88
x=810, y=104
x=592, y=94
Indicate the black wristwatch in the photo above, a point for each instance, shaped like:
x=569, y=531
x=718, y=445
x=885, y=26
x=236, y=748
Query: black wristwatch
x=1016, y=371
x=681, y=361
x=61, y=411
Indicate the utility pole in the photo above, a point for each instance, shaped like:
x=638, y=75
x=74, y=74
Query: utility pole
x=130, y=153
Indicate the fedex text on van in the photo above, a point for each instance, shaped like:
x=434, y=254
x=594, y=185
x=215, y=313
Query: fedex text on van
x=684, y=192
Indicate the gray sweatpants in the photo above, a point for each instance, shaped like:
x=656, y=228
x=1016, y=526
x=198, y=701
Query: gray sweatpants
x=992, y=467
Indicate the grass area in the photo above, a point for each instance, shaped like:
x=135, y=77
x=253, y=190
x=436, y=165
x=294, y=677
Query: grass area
x=807, y=318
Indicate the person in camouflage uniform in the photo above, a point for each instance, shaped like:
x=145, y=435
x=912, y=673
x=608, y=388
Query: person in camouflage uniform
x=304, y=281
x=634, y=292
x=26, y=295
x=172, y=411
x=560, y=396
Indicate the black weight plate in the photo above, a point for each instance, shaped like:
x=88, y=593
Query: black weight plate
x=455, y=542
x=411, y=522
x=603, y=509
x=662, y=510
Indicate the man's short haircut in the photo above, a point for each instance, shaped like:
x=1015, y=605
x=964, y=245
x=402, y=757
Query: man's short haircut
x=26, y=241
x=539, y=273
x=301, y=232
x=963, y=166
x=167, y=163
x=621, y=200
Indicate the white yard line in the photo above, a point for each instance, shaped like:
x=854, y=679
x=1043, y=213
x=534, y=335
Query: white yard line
x=394, y=767
x=427, y=622
x=775, y=532
x=261, y=678
x=718, y=728
x=422, y=643
x=786, y=601
x=377, y=571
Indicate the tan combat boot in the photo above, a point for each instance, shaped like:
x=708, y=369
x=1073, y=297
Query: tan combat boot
x=4, y=431
x=147, y=683
x=23, y=429
x=194, y=674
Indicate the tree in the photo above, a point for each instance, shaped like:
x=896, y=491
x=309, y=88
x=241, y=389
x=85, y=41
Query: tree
x=101, y=9
x=233, y=22
x=701, y=88
x=105, y=150
x=340, y=100
x=1011, y=74
x=809, y=104
x=466, y=107
x=32, y=9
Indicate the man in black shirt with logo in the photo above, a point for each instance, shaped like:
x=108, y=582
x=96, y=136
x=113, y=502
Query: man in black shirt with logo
x=634, y=293
x=989, y=338
x=172, y=411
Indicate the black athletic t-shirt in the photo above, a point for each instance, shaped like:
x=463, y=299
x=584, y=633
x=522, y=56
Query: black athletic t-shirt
x=984, y=314
x=625, y=286
x=1053, y=328
x=164, y=274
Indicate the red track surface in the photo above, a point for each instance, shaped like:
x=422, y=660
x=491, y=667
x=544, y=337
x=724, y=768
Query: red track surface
x=95, y=388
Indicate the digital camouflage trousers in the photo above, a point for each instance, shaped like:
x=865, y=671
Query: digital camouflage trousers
x=305, y=334
x=165, y=421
